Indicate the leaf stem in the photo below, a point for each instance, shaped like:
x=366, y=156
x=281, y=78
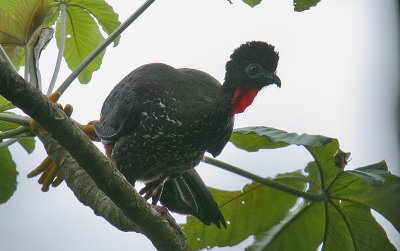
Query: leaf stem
x=26, y=73
x=14, y=118
x=63, y=34
x=4, y=55
x=264, y=181
x=14, y=133
x=103, y=45
x=8, y=142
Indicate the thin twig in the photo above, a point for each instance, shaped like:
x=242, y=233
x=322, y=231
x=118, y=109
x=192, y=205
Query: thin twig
x=63, y=31
x=8, y=143
x=26, y=73
x=264, y=181
x=102, y=46
x=15, y=133
x=4, y=55
x=14, y=118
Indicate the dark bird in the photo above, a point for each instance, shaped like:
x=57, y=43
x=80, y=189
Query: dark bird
x=158, y=122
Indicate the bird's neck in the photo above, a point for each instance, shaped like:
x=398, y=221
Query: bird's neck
x=242, y=97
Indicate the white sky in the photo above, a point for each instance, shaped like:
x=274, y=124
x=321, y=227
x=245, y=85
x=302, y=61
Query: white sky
x=339, y=68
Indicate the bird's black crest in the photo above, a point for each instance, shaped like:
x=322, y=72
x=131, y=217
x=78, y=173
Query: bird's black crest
x=257, y=51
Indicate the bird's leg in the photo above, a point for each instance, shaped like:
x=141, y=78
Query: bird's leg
x=153, y=189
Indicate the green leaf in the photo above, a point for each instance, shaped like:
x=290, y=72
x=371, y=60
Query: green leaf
x=28, y=143
x=8, y=175
x=374, y=174
x=31, y=15
x=256, y=138
x=323, y=149
x=11, y=31
x=301, y=5
x=103, y=13
x=9, y=5
x=326, y=162
x=344, y=221
x=20, y=23
x=302, y=231
x=83, y=36
x=6, y=126
x=247, y=212
x=16, y=55
x=368, y=190
x=252, y=3
x=352, y=227
x=5, y=104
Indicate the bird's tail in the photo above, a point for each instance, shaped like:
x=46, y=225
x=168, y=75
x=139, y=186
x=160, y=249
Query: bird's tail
x=187, y=194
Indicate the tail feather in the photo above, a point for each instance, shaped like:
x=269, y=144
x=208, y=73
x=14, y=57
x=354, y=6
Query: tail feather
x=187, y=194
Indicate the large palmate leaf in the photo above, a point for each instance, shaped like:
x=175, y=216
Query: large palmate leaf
x=5, y=104
x=252, y=3
x=251, y=211
x=8, y=175
x=102, y=12
x=261, y=137
x=20, y=23
x=341, y=222
x=83, y=36
x=322, y=148
x=375, y=188
x=28, y=143
x=301, y=5
x=83, y=33
x=8, y=5
x=340, y=219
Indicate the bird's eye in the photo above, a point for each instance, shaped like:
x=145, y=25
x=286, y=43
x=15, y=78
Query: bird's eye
x=252, y=69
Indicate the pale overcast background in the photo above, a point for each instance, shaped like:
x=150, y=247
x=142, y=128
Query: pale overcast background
x=339, y=66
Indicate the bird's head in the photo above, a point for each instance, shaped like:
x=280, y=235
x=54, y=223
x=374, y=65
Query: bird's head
x=251, y=67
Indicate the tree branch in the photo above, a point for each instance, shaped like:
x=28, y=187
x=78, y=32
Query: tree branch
x=96, y=165
x=84, y=188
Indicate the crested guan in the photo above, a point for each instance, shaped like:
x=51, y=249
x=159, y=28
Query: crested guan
x=157, y=123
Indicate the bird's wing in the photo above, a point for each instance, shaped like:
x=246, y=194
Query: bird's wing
x=120, y=111
x=143, y=90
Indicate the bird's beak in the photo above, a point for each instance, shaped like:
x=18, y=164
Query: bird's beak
x=268, y=78
x=276, y=80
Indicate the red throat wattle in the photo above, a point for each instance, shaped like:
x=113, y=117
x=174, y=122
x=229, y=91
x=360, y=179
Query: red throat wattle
x=242, y=98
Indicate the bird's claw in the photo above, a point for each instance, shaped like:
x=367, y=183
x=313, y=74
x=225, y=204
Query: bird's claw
x=50, y=174
x=165, y=213
x=153, y=190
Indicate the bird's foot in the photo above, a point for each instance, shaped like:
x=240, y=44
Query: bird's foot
x=50, y=175
x=165, y=213
x=48, y=170
x=153, y=190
